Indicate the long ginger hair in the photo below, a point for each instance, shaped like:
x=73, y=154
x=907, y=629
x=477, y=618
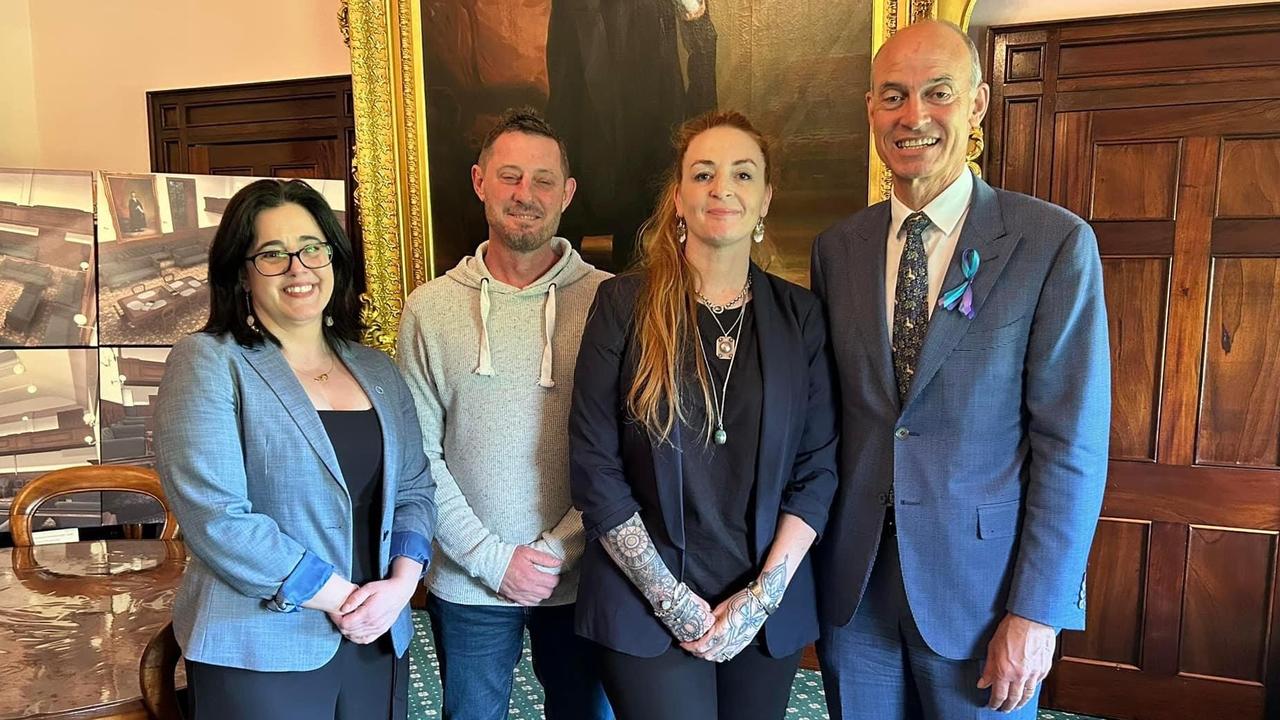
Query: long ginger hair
x=666, y=313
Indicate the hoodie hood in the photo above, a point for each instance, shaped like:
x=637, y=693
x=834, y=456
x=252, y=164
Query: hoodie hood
x=570, y=268
x=472, y=272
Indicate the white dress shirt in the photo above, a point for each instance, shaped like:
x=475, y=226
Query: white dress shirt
x=946, y=213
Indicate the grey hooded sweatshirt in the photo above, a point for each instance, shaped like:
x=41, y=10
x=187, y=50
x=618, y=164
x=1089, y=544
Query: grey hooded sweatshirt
x=491, y=370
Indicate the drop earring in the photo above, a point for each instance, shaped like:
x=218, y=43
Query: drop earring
x=249, y=319
x=328, y=321
x=682, y=230
x=757, y=234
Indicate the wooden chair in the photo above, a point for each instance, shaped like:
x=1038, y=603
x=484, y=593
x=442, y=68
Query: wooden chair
x=155, y=676
x=92, y=478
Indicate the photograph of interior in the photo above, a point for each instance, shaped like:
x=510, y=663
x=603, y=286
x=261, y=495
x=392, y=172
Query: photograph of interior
x=153, y=240
x=47, y=293
x=48, y=421
x=1150, y=127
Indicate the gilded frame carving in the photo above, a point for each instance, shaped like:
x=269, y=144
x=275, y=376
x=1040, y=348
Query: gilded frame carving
x=385, y=37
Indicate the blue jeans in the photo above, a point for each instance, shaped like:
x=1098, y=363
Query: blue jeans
x=479, y=646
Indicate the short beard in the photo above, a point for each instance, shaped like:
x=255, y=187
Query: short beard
x=525, y=242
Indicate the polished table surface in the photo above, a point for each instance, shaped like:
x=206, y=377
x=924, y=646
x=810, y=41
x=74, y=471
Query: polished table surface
x=74, y=619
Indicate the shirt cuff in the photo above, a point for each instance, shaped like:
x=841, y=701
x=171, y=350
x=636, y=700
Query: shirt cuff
x=412, y=545
x=302, y=584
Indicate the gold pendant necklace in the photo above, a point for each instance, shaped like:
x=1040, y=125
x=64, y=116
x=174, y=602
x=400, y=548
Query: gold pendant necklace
x=324, y=376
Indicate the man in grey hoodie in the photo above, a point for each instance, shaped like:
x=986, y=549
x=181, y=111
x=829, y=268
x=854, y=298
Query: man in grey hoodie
x=488, y=351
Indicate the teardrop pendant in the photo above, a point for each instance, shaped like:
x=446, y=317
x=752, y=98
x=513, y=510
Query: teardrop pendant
x=721, y=437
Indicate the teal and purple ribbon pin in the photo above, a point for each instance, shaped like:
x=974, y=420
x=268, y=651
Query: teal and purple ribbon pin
x=961, y=296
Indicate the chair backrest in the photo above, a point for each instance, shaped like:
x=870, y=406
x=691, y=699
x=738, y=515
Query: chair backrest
x=91, y=478
x=155, y=675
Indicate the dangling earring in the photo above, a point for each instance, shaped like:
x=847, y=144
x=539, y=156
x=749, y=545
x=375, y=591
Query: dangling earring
x=682, y=230
x=758, y=234
x=248, y=314
x=328, y=321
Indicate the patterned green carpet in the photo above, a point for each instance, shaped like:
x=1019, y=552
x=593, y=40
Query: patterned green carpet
x=807, y=701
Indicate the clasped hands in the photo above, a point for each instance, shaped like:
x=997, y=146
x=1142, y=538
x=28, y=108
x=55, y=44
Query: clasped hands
x=371, y=609
x=714, y=635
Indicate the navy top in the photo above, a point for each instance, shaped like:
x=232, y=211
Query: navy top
x=357, y=441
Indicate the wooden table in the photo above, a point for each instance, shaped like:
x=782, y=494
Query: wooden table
x=74, y=619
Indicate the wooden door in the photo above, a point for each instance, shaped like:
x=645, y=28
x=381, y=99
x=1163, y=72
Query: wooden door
x=1161, y=134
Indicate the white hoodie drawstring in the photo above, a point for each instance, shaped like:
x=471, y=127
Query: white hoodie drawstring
x=485, y=365
x=549, y=322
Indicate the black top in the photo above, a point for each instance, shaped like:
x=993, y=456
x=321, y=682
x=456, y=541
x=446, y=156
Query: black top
x=357, y=441
x=719, y=480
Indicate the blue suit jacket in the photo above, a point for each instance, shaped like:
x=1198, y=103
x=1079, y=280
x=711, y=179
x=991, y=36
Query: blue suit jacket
x=998, y=457
x=616, y=471
x=250, y=472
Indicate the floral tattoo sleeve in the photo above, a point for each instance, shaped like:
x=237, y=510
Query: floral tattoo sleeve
x=673, y=602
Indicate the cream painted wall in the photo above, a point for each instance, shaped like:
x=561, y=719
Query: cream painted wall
x=19, y=137
x=1005, y=12
x=92, y=63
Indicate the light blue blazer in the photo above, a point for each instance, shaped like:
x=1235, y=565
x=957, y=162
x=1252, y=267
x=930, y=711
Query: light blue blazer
x=254, y=481
x=997, y=460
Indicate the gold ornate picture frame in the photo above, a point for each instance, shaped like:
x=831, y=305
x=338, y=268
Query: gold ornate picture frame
x=385, y=37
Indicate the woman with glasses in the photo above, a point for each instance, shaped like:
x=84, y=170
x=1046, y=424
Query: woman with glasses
x=292, y=457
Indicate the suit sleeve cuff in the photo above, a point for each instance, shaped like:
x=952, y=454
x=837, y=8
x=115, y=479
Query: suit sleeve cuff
x=302, y=584
x=412, y=545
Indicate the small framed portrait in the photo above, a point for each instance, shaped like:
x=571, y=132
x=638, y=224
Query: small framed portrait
x=131, y=200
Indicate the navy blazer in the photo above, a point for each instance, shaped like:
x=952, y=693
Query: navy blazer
x=616, y=471
x=997, y=459
x=251, y=475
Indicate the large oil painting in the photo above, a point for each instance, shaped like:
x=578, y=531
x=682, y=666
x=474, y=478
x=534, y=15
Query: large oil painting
x=616, y=78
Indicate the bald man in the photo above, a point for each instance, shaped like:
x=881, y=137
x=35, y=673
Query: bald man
x=970, y=338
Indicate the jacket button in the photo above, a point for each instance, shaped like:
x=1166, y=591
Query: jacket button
x=901, y=433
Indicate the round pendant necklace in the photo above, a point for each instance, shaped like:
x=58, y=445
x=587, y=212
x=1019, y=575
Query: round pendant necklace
x=324, y=376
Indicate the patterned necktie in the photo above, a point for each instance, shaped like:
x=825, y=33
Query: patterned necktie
x=910, y=303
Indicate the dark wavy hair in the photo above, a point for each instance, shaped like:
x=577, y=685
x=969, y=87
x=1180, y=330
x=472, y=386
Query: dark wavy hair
x=234, y=238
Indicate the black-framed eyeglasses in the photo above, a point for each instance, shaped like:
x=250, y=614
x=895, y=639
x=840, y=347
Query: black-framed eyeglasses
x=271, y=263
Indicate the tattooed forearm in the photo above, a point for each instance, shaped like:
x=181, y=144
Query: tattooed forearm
x=673, y=603
x=772, y=584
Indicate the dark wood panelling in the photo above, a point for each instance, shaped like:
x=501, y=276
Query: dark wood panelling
x=1228, y=603
x=1258, y=48
x=1184, y=495
x=1187, y=297
x=1134, y=238
x=291, y=108
x=1021, y=127
x=1129, y=695
x=1117, y=583
x=1024, y=63
x=1247, y=184
x=1137, y=293
x=1240, y=417
x=1134, y=181
x=1201, y=90
x=1246, y=238
x=1073, y=164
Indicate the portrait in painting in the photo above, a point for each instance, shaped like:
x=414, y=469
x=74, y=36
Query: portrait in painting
x=616, y=78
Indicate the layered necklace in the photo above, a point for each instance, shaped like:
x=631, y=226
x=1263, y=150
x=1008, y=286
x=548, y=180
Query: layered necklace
x=726, y=349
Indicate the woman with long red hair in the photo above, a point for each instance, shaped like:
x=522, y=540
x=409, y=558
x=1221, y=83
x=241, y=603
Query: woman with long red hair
x=703, y=449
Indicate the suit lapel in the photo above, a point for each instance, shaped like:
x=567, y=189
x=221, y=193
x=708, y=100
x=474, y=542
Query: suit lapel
x=866, y=263
x=984, y=232
x=267, y=360
x=778, y=347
